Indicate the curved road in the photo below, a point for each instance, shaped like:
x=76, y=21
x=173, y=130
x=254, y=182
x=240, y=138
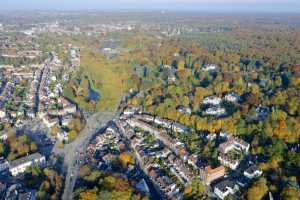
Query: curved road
x=94, y=123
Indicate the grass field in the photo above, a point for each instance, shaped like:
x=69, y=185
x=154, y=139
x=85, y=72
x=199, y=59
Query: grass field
x=109, y=76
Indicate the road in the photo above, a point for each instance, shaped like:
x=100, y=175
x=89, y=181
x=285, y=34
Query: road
x=71, y=156
x=94, y=123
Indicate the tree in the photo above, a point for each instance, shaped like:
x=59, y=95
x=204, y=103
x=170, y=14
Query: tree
x=33, y=147
x=75, y=124
x=88, y=195
x=290, y=193
x=258, y=190
x=72, y=135
x=198, y=187
x=181, y=65
x=109, y=182
x=23, y=138
x=55, y=130
x=11, y=156
x=93, y=177
x=2, y=148
x=42, y=195
x=33, y=176
x=85, y=170
x=126, y=159
x=292, y=105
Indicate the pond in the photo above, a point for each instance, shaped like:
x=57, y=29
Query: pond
x=93, y=95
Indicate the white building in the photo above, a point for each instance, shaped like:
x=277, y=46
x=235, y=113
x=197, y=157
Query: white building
x=232, y=97
x=225, y=188
x=19, y=166
x=131, y=110
x=3, y=164
x=228, y=162
x=3, y=135
x=2, y=114
x=214, y=100
x=180, y=128
x=252, y=172
x=234, y=143
x=209, y=67
x=62, y=136
x=215, y=111
x=66, y=120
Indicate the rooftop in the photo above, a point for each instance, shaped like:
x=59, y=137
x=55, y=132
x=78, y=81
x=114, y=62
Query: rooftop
x=25, y=159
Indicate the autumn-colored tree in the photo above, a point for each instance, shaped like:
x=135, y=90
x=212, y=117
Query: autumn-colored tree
x=2, y=149
x=88, y=195
x=125, y=159
x=84, y=171
x=72, y=135
x=54, y=130
x=290, y=193
x=258, y=190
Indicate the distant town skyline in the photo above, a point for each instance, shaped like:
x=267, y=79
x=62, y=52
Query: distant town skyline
x=185, y=5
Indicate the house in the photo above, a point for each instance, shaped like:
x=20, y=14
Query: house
x=2, y=113
x=215, y=111
x=184, y=109
x=210, y=174
x=225, y=188
x=66, y=120
x=3, y=164
x=19, y=166
x=234, y=143
x=180, y=128
x=252, y=172
x=209, y=67
x=232, y=97
x=214, y=100
x=62, y=136
x=224, y=135
x=49, y=122
x=131, y=110
x=145, y=117
x=262, y=112
x=30, y=113
x=30, y=195
x=193, y=160
x=163, y=122
x=228, y=161
x=70, y=109
x=163, y=182
x=169, y=72
x=3, y=135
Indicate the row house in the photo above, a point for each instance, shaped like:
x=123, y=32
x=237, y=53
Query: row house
x=19, y=166
x=209, y=174
x=163, y=182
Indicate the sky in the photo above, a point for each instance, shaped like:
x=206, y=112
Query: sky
x=193, y=5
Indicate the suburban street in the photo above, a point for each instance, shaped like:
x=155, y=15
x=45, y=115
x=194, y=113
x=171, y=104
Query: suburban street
x=73, y=150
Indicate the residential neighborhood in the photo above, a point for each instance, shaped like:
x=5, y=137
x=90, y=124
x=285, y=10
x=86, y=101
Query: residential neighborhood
x=164, y=100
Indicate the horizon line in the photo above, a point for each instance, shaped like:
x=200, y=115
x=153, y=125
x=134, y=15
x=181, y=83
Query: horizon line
x=134, y=10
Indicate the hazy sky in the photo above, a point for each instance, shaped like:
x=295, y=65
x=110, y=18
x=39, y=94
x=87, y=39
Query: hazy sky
x=201, y=5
